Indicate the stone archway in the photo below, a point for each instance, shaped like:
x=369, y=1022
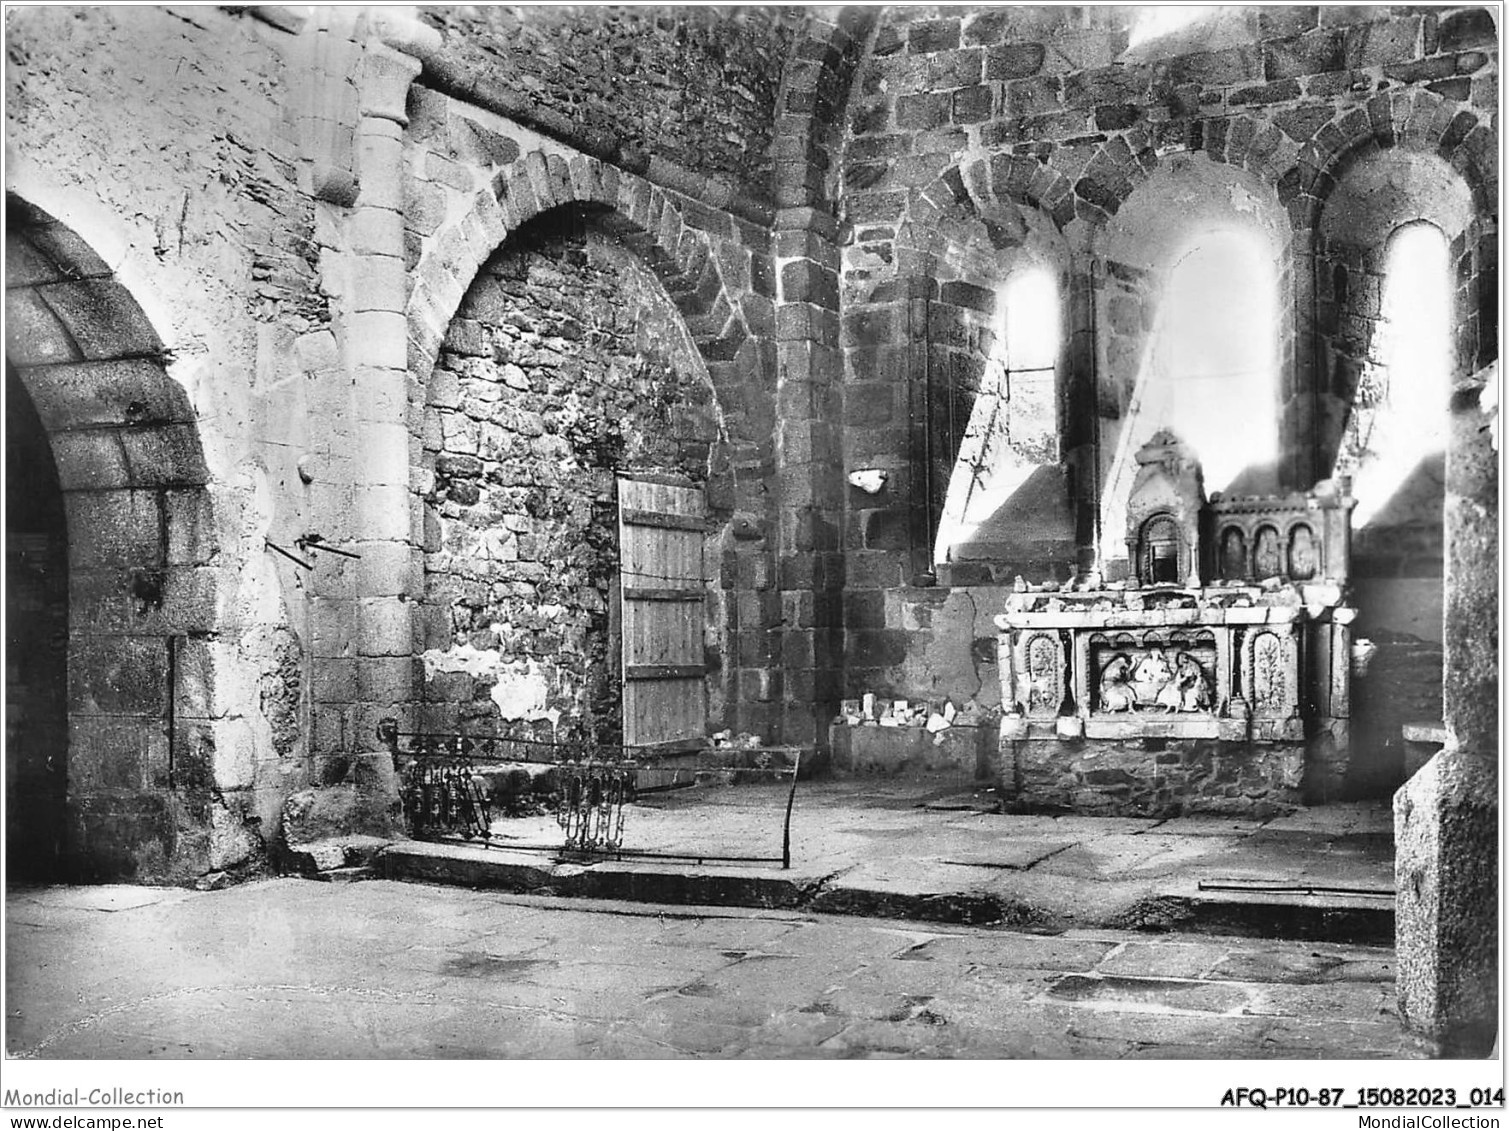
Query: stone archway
x=1446, y=815
x=645, y=217
x=566, y=367
x=140, y=599
x=718, y=286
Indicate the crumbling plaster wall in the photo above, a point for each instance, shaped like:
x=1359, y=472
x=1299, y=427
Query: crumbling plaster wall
x=956, y=110
x=164, y=139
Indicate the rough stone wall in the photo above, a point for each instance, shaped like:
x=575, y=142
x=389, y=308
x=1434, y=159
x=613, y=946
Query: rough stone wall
x=565, y=367
x=1149, y=777
x=1054, y=111
x=474, y=178
x=694, y=86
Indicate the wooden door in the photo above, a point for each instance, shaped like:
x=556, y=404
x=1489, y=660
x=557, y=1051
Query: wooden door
x=662, y=598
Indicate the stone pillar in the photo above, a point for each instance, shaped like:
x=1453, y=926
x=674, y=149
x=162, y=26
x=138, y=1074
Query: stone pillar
x=388, y=572
x=1446, y=816
x=808, y=499
x=363, y=606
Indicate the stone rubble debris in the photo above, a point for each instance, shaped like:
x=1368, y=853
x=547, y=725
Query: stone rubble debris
x=936, y=720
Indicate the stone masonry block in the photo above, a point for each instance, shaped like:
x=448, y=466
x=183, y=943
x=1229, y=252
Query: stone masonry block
x=125, y=529
x=333, y=628
x=114, y=753
x=151, y=601
x=559, y=174
x=386, y=679
x=926, y=36
x=382, y=627
x=102, y=318
x=118, y=675
x=382, y=458
x=540, y=180
x=100, y=394
x=379, y=338
x=386, y=511
x=489, y=217
x=60, y=246
x=34, y=335
x=165, y=456
x=806, y=281
x=191, y=535
x=90, y=461
x=334, y=681
x=199, y=666
x=516, y=196
x=376, y=231
x=385, y=570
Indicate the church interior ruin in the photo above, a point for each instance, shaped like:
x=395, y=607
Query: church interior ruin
x=1095, y=403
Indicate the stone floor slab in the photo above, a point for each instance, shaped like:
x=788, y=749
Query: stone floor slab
x=380, y=970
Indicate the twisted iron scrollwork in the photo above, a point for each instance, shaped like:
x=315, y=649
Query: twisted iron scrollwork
x=591, y=813
x=442, y=797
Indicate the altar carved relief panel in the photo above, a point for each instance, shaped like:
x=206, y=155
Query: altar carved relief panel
x=1039, y=661
x=1154, y=671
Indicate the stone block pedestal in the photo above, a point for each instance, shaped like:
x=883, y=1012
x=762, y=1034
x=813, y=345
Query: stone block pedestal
x=964, y=751
x=1446, y=909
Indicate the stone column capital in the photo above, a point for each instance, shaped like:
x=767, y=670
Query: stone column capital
x=400, y=28
x=386, y=73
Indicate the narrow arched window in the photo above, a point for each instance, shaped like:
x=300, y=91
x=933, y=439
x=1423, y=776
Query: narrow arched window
x=1013, y=424
x=1028, y=361
x=1219, y=359
x=1032, y=321
x=1400, y=412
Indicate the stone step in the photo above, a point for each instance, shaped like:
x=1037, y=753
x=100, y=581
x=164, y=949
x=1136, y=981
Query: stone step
x=635, y=880
x=734, y=775
x=333, y=854
x=779, y=758
x=1320, y=917
x=346, y=875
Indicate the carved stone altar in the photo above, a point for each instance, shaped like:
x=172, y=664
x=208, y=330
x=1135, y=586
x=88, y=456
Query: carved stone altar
x=1164, y=694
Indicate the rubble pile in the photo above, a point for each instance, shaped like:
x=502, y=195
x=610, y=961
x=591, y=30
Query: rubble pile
x=874, y=711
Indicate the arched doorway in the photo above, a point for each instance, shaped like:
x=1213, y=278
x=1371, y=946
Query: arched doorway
x=566, y=369
x=118, y=749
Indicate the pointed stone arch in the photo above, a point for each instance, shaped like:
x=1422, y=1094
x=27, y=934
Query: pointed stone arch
x=140, y=796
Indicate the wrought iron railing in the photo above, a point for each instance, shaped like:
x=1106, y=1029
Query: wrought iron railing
x=443, y=795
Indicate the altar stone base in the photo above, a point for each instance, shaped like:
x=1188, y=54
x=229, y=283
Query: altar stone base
x=1150, y=777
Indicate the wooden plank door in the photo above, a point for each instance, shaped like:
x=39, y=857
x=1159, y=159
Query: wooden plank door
x=662, y=598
